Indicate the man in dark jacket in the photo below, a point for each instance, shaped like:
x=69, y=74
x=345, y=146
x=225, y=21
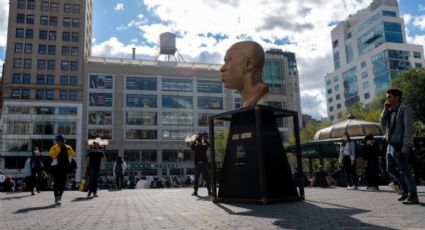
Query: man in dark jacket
x=397, y=121
x=200, y=147
x=95, y=158
x=371, y=150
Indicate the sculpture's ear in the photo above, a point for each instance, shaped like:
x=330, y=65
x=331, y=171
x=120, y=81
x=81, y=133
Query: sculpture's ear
x=250, y=63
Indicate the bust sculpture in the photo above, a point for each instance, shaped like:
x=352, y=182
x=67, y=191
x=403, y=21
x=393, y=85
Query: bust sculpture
x=242, y=71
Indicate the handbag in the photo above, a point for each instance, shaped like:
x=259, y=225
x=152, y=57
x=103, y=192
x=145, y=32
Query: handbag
x=81, y=188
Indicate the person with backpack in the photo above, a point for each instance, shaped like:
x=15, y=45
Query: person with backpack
x=37, y=165
x=119, y=170
x=95, y=159
x=63, y=157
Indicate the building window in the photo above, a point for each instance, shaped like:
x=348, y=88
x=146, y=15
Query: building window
x=332, y=117
x=51, y=64
x=41, y=64
x=41, y=79
x=54, y=7
x=19, y=33
x=418, y=65
x=41, y=49
x=364, y=75
x=25, y=94
x=102, y=82
x=335, y=44
x=76, y=9
x=389, y=13
x=16, y=94
x=50, y=94
x=336, y=88
x=31, y=4
x=138, y=83
x=417, y=54
x=50, y=79
x=74, y=66
x=30, y=19
x=329, y=91
x=337, y=97
x=177, y=102
x=17, y=63
x=29, y=34
x=132, y=118
x=204, y=86
x=28, y=63
x=16, y=78
x=18, y=47
x=39, y=94
x=43, y=35
x=44, y=6
x=53, y=21
x=44, y=20
x=331, y=109
x=74, y=51
x=28, y=48
x=75, y=22
x=52, y=35
x=210, y=102
x=75, y=37
x=63, y=95
x=65, y=51
x=177, y=85
x=366, y=96
x=67, y=8
x=141, y=101
x=330, y=99
x=138, y=134
x=21, y=4
x=338, y=106
x=66, y=36
x=20, y=18
x=26, y=78
x=363, y=64
x=349, y=52
x=73, y=95
x=52, y=50
x=73, y=80
x=100, y=99
x=66, y=22
x=365, y=85
x=336, y=79
x=64, y=65
x=328, y=82
x=64, y=80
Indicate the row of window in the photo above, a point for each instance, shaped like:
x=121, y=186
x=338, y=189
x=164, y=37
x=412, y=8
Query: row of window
x=41, y=94
x=46, y=49
x=49, y=6
x=45, y=64
x=150, y=101
x=142, y=134
x=41, y=110
x=43, y=79
x=50, y=35
x=53, y=21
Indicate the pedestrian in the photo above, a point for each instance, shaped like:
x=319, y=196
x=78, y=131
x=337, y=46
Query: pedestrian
x=27, y=174
x=347, y=157
x=397, y=121
x=62, y=155
x=371, y=150
x=200, y=147
x=119, y=170
x=95, y=159
x=37, y=166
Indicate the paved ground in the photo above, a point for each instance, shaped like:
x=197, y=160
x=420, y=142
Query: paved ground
x=334, y=208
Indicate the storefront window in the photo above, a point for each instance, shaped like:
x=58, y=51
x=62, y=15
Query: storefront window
x=101, y=82
x=177, y=118
x=102, y=133
x=100, y=99
x=140, y=134
x=140, y=118
x=100, y=118
x=177, y=85
x=141, y=83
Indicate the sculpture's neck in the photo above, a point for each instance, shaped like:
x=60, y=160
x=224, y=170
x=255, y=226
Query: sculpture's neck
x=252, y=98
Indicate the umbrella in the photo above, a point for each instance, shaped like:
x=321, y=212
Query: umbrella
x=355, y=128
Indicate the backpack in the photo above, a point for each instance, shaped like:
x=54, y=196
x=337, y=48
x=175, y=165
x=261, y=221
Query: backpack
x=119, y=170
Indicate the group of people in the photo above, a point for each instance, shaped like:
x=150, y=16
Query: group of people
x=397, y=122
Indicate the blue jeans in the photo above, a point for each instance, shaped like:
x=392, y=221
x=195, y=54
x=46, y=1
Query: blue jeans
x=397, y=163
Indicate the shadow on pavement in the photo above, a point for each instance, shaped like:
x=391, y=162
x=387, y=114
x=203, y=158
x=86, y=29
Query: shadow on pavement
x=304, y=215
x=78, y=199
x=25, y=210
x=15, y=197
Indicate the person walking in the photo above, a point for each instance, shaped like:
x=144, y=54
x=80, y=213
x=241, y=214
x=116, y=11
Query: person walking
x=28, y=175
x=200, y=147
x=371, y=150
x=397, y=121
x=347, y=157
x=119, y=170
x=61, y=155
x=37, y=166
x=95, y=159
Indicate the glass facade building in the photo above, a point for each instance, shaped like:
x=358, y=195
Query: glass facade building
x=373, y=42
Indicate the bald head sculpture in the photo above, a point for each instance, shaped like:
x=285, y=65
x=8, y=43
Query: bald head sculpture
x=242, y=71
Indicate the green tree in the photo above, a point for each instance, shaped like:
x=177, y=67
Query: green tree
x=308, y=132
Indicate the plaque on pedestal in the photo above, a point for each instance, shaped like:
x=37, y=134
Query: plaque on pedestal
x=255, y=167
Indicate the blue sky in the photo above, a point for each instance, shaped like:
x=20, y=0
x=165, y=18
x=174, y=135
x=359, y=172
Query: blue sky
x=205, y=29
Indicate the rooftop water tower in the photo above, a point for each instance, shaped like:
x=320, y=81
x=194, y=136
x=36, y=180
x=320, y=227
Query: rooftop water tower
x=167, y=47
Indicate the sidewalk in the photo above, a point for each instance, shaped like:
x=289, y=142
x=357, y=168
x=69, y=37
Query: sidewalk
x=334, y=208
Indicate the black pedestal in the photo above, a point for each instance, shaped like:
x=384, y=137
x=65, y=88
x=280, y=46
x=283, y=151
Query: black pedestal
x=255, y=167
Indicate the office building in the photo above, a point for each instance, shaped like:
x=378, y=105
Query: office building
x=369, y=50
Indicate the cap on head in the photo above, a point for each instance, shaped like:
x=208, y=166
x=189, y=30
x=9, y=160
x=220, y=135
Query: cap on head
x=60, y=137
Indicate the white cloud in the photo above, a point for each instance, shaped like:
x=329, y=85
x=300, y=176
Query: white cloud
x=407, y=18
x=4, y=16
x=314, y=103
x=1, y=68
x=114, y=48
x=419, y=21
x=421, y=7
x=119, y=7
